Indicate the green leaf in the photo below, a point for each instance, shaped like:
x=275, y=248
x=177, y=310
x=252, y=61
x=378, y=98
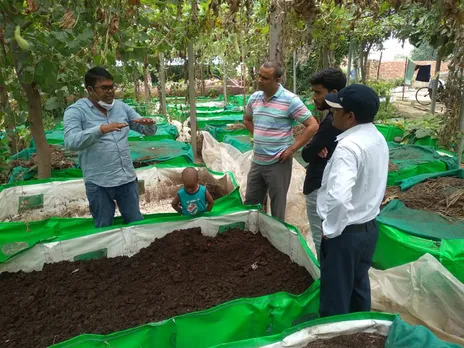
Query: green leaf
x=265, y=30
x=97, y=60
x=52, y=104
x=27, y=75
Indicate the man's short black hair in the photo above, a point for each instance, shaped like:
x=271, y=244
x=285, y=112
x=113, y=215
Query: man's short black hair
x=96, y=74
x=331, y=79
x=278, y=72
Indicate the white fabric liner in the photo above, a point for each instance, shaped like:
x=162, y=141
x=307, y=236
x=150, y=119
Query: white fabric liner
x=224, y=157
x=129, y=240
x=423, y=292
x=326, y=331
x=68, y=198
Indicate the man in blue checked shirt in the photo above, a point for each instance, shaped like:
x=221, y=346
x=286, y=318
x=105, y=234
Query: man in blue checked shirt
x=98, y=127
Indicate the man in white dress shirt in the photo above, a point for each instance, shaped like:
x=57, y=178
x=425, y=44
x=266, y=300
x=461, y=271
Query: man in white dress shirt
x=349, y=201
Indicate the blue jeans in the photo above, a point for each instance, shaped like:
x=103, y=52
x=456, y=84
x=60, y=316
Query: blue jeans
x=102, y=203
x=315, y=221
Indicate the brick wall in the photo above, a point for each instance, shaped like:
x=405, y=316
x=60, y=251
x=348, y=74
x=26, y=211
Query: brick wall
x=395, y=69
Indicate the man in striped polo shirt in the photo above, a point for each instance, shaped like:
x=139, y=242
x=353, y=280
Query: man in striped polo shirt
x=269, y=116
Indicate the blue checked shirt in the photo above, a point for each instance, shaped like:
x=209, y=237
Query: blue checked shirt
x=105, y=159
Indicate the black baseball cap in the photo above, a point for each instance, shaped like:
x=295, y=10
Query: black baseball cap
x=356, y=98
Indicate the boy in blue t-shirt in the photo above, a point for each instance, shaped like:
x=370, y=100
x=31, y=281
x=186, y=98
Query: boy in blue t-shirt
x=193, y=198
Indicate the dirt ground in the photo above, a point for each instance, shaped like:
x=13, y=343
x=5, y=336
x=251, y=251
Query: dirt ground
x=58, y=158
x=392, y=167
x=180, y=273
x=359, y=340
x=444, y=196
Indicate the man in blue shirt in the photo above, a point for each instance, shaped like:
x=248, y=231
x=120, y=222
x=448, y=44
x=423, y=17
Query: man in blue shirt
x=98, y=127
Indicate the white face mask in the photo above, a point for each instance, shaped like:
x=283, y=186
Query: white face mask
x=106, y=106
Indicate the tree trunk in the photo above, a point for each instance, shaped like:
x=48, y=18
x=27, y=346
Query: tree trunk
x=362, y=68
x=276, y=14
x=364, y=61
x=34, y=107
x=224, y=80
x=460, y=146
x=162, y=85
x=350, y=58
x=294, y=71
x=325, y=57
x=136, y=85
x=202, y=78
x=356, y=70
x=191, y=89
x=146, y=84
x=10, y=125
x=380, y=63
x=435, y=83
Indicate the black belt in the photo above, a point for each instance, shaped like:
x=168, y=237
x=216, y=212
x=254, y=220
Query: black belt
x=365, y=227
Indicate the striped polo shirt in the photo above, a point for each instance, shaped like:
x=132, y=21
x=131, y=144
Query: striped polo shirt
x=273, y=121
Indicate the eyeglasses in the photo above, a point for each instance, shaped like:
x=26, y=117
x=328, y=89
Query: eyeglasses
x=107, y=88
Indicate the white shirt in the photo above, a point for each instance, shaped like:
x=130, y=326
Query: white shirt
x=354, y=180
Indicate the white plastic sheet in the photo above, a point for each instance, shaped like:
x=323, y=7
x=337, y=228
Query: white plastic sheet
x=423, y=292
x=68, y=199
x=326, y=331
x=224, y=157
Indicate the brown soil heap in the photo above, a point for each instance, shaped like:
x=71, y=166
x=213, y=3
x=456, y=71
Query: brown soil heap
x=58, y=158
x=216, y=191
x=236, y=126
x=180, y=273
x=392, y=167
x=444, y=195
x=359, y=340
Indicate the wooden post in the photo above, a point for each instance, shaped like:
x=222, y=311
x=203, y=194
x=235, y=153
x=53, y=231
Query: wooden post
x=193, y=109
x=350, y=58
x=224, y=80
x=461, y=124
x=294, y=71
x=380, y=63
x=404, y=79
x=162, y=85
x=435, y=83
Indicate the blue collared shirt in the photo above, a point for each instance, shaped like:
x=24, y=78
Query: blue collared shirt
x=105, y=159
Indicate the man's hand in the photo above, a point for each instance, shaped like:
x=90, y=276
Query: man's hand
x=287, y=154
x=112, y=127
x=146, y=121
x=324, y=153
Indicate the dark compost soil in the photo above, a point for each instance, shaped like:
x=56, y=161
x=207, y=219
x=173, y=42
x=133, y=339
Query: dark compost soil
x=359, y=340
x=58, y=159
x=443, y=195
x=216, y=191
x=180, y=273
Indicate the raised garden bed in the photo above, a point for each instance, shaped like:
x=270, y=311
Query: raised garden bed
x=179, y=273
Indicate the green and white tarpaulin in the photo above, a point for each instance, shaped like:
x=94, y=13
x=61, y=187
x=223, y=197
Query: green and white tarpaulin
x=399, y=334
x=412, y=233
x=235, y=320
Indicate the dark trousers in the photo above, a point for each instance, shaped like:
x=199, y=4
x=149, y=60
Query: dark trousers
x=345, y=262
x=102, y=203
x=274, y=178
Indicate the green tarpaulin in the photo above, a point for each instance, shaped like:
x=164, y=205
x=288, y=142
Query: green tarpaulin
x=412, y=233
x=389, y=132
x=235, y=320
x=413, y=160
x=399, y=333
